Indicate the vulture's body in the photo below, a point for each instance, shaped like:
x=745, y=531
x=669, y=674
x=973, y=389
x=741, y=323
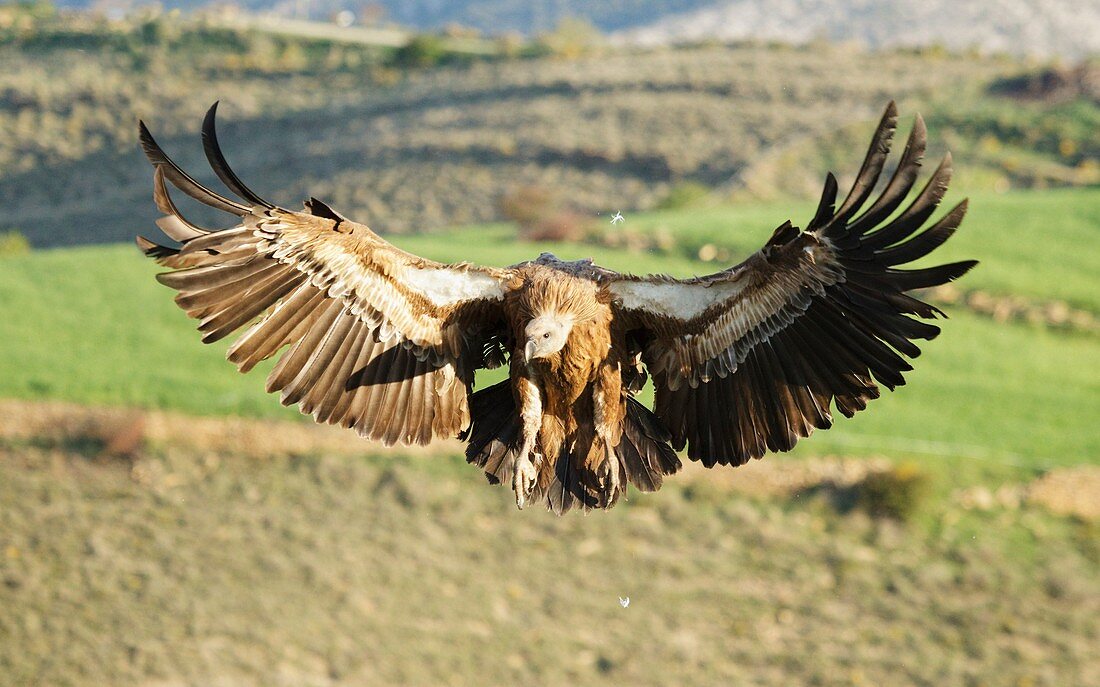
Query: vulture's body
x=743, y=361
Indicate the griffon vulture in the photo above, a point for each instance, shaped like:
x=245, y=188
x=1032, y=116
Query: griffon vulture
x=743, y=361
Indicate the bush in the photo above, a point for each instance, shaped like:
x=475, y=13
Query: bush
x=899, y=492
x=572, y=38
x=684, y=194
x=422, y=51
x=541, y=216
x=13, y=243
x=564, y=225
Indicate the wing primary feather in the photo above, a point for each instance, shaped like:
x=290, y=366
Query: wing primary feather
x=199, y=302
x=872, y=166
x=155, y=250
x=925, y=242
x=219, y=164
x=182, y=180
x=318, y=363
x=900, y=183
x=826, y=206
x=907, y=280
x=918, y=211
x=343, y=393
x=272, y=333
x=173, y=224
x=209, y=276
x=358, y=390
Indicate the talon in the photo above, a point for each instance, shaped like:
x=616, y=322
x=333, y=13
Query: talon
x=611, y=481
x=524, y=477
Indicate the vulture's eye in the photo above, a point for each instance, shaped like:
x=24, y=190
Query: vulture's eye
x=546, y=335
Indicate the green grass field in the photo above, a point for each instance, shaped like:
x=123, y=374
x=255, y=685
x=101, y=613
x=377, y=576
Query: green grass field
x=91, y=325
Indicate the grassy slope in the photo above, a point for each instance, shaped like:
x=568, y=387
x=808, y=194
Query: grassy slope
x=90, y=325
x=307, y=570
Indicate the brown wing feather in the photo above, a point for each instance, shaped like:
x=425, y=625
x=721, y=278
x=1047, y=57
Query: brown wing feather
x=750, y=359
x=376, y=338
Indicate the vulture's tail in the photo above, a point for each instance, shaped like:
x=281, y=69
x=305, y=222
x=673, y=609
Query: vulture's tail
x=643, y=454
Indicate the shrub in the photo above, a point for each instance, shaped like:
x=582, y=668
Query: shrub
x=13, y=243
x=899, y=492
x=527, y=205
x=564, y=225
x=541, y=216
x=572, y=38
x=684, y=194
x=422, y=51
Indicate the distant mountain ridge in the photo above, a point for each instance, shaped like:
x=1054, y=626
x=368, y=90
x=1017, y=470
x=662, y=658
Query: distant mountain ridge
x=1068, y=28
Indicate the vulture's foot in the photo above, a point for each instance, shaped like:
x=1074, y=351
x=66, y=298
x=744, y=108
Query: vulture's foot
x=611, y=480
x=524, y=475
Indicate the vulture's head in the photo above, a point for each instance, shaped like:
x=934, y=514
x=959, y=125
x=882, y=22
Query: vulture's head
x=546, y=335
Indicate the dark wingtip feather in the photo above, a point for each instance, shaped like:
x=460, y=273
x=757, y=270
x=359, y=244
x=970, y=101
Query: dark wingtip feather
x=154, y=250
x=872, y=166
x=826, y=205
x=318, y=208
x=153, y=152
x=173, y=224
x=906, y=280
x=181, y=179
x=219, y=164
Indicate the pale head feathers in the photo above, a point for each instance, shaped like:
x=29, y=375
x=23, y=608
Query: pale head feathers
x=546, y=334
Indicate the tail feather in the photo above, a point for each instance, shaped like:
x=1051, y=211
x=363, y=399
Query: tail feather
x=645, y=448
x=493, y=435
x=643, y=456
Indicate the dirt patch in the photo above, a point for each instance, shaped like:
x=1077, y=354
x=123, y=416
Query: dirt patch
x=1072, y=491
x=1069, y=491
x=115, y=431
x=1054, y=314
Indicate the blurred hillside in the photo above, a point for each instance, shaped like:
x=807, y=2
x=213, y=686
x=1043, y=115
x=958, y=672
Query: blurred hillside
x=417, y=139
x=1069, y=28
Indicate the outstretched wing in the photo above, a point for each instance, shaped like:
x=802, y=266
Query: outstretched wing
x=378, y=339
x=748, y=360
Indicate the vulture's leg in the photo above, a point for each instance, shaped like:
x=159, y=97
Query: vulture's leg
x=525, y=471
x=608, y=419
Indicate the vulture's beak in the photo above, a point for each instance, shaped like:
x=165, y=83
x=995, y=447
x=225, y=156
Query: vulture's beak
x=529, y=351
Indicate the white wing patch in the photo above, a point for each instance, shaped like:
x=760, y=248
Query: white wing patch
x=682, y=301
x=445, y=286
